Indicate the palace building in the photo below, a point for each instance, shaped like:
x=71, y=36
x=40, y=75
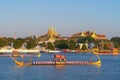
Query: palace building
x=92, y=34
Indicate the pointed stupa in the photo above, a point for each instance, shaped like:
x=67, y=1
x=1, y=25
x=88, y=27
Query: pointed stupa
x=52, y=33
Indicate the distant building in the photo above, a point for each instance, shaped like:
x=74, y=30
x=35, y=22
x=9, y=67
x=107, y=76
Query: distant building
x=98, y=36
x=50, y=36
x=92, y=34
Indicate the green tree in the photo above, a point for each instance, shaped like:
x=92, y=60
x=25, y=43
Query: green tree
x=81, y=40
x=72, y=45
x=17, y=44
x=116, y=44
x=62, y=44
x=43, y=44
x=90, y=39
x=10, y=40
x=87, y=39
x=31, y=45
x=105, y=47
x=116, y=41
x=21, y=39
x=3, y=42
x=84, y=47
x=50, y=46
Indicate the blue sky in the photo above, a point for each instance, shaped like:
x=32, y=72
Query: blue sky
x=24, y=17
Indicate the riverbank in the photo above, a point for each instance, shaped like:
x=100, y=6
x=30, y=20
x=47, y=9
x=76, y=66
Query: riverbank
x=19, y=50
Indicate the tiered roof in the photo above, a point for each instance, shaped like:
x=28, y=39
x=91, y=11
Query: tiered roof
x=92, y=34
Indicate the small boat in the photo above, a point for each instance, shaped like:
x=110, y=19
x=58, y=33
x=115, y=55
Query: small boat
x=114, y=51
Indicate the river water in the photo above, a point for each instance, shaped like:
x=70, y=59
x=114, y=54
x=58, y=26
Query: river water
x=109, y=70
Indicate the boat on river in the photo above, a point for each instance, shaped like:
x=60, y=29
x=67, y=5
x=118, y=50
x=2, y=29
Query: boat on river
x=58, y=59
x=114, y=51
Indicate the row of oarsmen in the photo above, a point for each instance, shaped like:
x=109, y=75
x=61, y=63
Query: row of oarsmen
x=43, y=63
x=68, y=62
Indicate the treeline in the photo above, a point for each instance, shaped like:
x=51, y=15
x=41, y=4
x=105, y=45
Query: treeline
x=72, y=44
x=28, y=42
x=116, y=41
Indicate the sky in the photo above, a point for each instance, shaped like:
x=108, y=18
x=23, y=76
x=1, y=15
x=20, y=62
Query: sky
x=33, y=17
